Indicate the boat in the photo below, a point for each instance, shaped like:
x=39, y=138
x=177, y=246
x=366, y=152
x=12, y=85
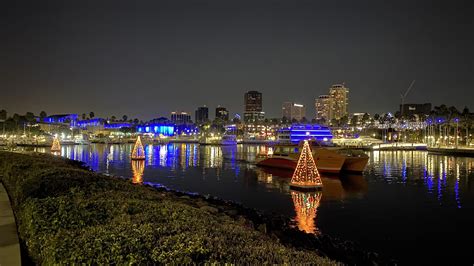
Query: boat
x=209, y=139
x=81, y=142
x=330, y=160
x=229, y=140
x=67, y=142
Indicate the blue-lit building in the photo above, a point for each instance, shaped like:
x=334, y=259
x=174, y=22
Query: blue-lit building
x=168, y=129
x=296, y=133
x=96, y=122
x=186, y=129
x=116, y=125
x=70, y=119
x=163, y=129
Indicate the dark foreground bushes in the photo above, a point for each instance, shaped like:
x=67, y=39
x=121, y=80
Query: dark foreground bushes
x=68, y=214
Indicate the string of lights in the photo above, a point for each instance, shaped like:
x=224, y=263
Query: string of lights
x=138, y=152
x=56, y=145
x=306, y=174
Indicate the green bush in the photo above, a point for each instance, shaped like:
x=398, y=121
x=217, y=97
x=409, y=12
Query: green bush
x=67, y=214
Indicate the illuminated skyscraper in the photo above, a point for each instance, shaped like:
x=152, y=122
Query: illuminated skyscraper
x=292, y=111
x=323, y=108
x=253, y=101
x=201, y=115
x=339, y=95
x=180, y=118
x=222, y=113
x=253, y=107
x=334, y=105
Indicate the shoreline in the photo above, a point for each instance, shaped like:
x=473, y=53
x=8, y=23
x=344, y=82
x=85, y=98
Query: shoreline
x=282, y=227
x=277, y=228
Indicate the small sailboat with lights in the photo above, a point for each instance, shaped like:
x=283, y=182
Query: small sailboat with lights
x=138, y=152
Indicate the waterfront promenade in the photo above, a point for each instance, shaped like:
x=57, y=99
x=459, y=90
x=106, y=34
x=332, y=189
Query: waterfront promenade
x=452, y=150
x=9, y=244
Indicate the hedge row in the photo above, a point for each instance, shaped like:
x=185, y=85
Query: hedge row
x=68, y=214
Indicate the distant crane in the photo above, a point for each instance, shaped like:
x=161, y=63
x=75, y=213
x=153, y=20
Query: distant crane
x=403, y=96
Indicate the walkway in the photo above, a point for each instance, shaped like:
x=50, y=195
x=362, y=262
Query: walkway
x=9, y=244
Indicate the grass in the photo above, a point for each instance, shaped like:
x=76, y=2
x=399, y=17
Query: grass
x=68, y=214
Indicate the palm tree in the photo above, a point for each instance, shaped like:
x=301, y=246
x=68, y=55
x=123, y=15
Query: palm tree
x=3, y=114
x=30, y=117
x=365, y=118
x=466, y=122
x=43, y=115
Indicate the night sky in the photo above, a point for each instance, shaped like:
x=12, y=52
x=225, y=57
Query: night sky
x=148, y=58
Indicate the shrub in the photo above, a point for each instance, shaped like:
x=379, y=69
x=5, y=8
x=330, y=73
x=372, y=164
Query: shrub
x=67, y=214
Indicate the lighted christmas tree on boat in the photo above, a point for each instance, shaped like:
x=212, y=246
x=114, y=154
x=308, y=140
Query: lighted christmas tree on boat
x=138, y=152
x=306, y=175
x=56, y=145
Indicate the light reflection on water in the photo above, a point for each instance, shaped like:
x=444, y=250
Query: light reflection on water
x=411, y=192
x=439, y=174
x=138, y=167
x=306, y=206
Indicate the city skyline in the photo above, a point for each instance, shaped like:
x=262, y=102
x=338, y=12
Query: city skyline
x=146, y=60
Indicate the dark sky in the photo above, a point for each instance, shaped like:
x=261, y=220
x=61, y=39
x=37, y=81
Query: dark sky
x=147, y=58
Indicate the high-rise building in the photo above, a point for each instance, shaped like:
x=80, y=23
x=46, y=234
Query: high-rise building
x=253, y=107
x=201, y=115
x=291, y=110
x=253, y=101
x=222, y=113
x=180, y=118
x=339, y=94
x=324, y=108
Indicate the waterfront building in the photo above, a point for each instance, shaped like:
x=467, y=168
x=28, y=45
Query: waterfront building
x=254, y=117
x=159, y=129
x=324, y=108
x=181, y=118
x=168, y=129
x=222, y=113
x=298, y=132
x=201, y=115
x=117, y=125
x=253, y=131
x=356, y=119
x=91, y=123
x=339, y=95
x=409, y=109
x=94, y=125
x=70, y=119
x=253, y=101
x=292, y=110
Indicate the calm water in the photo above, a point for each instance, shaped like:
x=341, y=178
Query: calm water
x=410, y=206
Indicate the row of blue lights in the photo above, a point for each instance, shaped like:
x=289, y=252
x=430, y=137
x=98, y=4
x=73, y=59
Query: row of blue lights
x=303, y=132
x=116, y=125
